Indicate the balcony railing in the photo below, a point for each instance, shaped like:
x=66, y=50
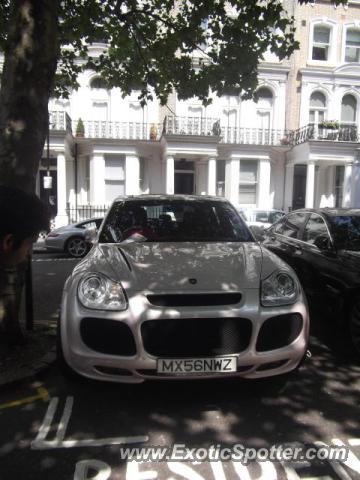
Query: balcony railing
x=122, y=130
x=59, y=120
x=254, y=136
x=345, y=133
x=191, y=126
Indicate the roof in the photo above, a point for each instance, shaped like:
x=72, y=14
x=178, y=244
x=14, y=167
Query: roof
x=151, y=197
x=331, y=212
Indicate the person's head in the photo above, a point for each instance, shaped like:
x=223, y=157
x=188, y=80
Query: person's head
x=22, y=217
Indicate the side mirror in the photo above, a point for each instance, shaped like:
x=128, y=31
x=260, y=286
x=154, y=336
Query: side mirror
x=323, y=243
x=91, y=235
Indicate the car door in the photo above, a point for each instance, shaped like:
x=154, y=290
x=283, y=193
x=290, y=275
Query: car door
x=320, y=263
x=283, y=237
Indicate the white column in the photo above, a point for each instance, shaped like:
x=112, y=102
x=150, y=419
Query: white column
x=310, y=185
x=264, y=183
x=169, y=175
x=97, y=179
x=289, y=185
x=232, y=180
x=347, y=185
x=132, y=175
x=355, y=185
x=61, y=217
x=211, y=187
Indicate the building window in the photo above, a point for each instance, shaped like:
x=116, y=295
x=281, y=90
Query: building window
x=248, y=182
x=317, y=110
x=352, y=45
x=321, y=43
x=114, y=178
x=348, y=109
x=97, y=83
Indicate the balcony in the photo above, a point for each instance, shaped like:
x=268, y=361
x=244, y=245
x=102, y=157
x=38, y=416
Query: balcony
x=59, y=121
x=254, y=136
x=191, y=126
x=344, y=133
x=122, y=130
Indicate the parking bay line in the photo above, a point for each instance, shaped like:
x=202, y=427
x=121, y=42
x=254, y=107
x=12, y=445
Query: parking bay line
x=42, y=394
x=40, y=442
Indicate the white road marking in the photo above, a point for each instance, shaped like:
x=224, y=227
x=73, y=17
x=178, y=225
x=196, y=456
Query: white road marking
x=45, y=427
x=40, y=442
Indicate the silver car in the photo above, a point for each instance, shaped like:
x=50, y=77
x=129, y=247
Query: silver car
x=71, y=238
x=175, y=287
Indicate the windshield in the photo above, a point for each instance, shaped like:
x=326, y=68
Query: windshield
x=346, y=231
x=174, y=221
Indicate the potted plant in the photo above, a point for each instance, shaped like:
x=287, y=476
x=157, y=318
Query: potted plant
x=153, y=132
x=285, y=140
x=329, y=124
x=80, y=129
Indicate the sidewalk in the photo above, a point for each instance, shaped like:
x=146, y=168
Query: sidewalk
x=19, y=363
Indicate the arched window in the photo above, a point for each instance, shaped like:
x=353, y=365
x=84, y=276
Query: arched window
x=321, y=42
x=98, y=82
x=348, y=109
x=352, y=48
x=264, y=108
x=317, y=110
x=265, y=98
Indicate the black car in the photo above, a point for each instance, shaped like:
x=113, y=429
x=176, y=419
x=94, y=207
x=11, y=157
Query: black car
x=323, y=247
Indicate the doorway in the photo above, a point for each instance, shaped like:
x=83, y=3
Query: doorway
x=184, y=181
x=299, y=191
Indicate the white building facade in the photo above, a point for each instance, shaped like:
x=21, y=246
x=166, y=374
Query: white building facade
x=276, y=153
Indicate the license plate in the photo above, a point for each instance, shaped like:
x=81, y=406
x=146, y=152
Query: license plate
x=186, y=366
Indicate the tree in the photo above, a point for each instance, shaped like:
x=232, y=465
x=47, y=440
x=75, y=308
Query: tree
x=151, y=45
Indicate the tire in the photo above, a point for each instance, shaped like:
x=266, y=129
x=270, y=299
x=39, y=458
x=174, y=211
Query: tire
x=76, y=247
x=354, y=326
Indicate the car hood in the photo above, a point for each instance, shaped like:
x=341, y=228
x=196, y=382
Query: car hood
x=167, y=267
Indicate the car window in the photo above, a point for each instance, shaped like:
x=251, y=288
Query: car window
x=275, y=216
x=291, y=225
x=88, y=225
x=314, y=228
x=174, y=221
x=262, y=217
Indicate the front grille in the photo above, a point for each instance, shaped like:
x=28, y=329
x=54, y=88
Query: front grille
x=194, y=299
x=107, y=336
x=196, y=337
x=279, y=331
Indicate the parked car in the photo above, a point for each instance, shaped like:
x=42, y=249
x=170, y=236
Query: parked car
x=323, y=247
x=176, y=287
x=259, y=219
x=71, y=238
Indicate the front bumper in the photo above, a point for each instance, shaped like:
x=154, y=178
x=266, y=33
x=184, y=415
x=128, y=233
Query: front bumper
x=139, y=365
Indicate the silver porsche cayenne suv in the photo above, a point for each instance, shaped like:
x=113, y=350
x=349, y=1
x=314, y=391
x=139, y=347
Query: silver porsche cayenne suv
x=176, y=287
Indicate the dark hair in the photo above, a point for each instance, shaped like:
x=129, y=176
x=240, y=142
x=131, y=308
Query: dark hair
x=22, y=214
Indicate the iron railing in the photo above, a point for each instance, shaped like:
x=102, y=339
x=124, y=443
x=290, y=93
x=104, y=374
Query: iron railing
x=85, y=212
x=122, y=130
x=174, y=125
x=345, y=133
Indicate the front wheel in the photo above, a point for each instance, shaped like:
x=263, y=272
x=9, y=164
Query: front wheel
x=354, y=325
x=76, y=247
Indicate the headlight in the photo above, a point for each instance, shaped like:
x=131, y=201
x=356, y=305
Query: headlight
x=279, y=289
x=100, y=293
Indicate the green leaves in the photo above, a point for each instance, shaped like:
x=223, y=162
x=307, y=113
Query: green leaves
x=196, y=47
